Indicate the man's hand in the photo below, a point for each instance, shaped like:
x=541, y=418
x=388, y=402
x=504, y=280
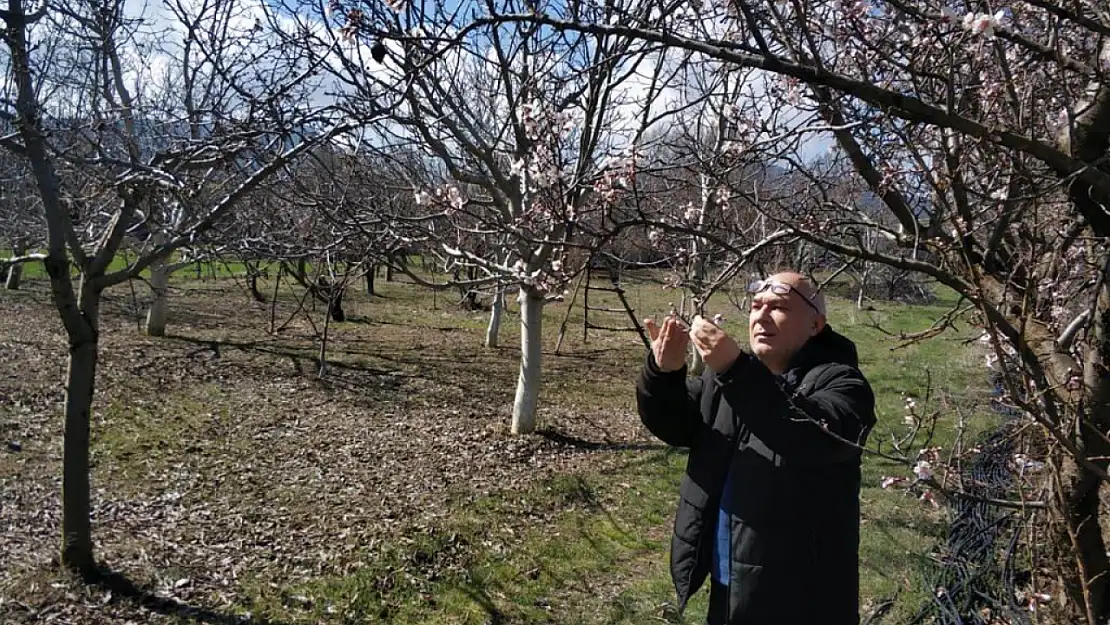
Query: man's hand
x=668, y=344
x=717, y=348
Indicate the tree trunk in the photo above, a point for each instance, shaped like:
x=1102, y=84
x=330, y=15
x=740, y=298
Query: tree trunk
x=254, y=272
x=1079, y=503
x=531, y=344
x=15, y=272
x=495, y=314
x=15, y=275
x=370, y=274
x=323, y=356
x=252, y=284
x=159, y=283
x=335, y=294
x=697, y=364
x=77, y=547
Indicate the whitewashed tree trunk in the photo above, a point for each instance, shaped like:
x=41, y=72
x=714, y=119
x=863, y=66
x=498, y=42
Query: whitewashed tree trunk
x=531, y=343
x=495, y=315
x=15, y=272
x=159, y=283
x=863, y=279
x=697, y=364
x=15, y=276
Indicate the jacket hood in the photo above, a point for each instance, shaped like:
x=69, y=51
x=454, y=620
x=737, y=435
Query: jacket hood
x=828, y=346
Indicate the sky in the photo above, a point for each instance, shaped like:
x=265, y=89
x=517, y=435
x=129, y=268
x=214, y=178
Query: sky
x=155, y=70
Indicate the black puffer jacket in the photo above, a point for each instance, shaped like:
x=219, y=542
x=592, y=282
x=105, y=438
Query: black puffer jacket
x=795, y=487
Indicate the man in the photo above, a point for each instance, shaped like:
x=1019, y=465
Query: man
x=769, y=504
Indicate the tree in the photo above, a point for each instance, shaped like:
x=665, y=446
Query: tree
x=984, y=135
x=533, y=135
x=99, y=179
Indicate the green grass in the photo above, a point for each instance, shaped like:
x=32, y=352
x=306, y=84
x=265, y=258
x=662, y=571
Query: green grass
x=477, y=567
x=620, y=532
x=211, y=269
x=590, y=546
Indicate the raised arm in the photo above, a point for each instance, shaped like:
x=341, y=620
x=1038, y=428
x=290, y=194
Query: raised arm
x=668, y=403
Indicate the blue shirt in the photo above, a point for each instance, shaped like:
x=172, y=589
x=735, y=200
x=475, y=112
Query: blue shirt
x=722, y=545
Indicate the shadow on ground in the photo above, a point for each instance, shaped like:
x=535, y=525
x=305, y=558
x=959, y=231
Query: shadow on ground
x=560, y=438
x=122, y=587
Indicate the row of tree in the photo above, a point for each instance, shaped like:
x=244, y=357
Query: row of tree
x=514, y=142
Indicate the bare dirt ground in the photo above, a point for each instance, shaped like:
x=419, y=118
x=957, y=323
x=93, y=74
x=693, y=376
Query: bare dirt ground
x=222, y=463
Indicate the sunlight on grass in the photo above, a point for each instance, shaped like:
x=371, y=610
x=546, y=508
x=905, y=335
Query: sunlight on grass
x=588, y=546
x=554, y=572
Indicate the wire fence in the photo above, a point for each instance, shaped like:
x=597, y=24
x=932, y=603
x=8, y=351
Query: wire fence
x=976, y=577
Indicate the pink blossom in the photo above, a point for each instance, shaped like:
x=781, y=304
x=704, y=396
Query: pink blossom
x=723, y=197
x=455, y=198
x=732, y=147
x=1026, y=464
x=923, y=470
x=856, y=9
x=1063, y=118
x=395, y=5
x=888, y=482
x=983, y=24
x=930, y=497
x=929, y=453
x=1033, y=599
x=516, y=168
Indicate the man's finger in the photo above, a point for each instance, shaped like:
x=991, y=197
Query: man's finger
x=699, y=340
x=679, y=323
x=653, y=330
x=697, y=330
x=707, y=329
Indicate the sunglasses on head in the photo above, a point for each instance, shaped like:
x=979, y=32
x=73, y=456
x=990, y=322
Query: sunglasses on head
x=779, y=288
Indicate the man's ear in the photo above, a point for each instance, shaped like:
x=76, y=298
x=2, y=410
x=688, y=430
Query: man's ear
x=818, y=324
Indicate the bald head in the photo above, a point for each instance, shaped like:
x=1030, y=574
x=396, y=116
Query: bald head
x=804, y=287
x=782, y=319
